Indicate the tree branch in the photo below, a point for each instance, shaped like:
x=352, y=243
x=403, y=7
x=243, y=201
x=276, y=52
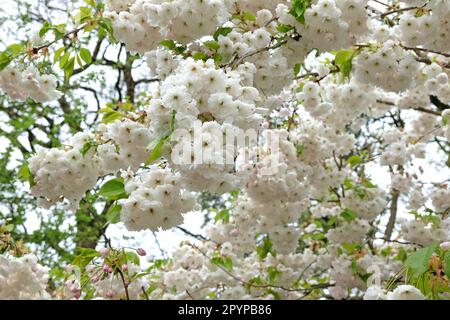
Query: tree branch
x=393, y=215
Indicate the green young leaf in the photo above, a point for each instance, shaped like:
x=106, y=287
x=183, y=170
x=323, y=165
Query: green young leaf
x=58, y=54
x=90, y=3
x=447, y=264
x=85, y=54
x=297, y=68
x=113, y=214
x=248, y=16
x=59, y=31
x=133, y=258
x=354, y=160
x=222, y=32
x=349, y=215
x=213, y=45
x=113, y=189
x=284, y=28
x=298, y=9
x=106, y=29
x=351, y=248
x=217, y=58
x=344, y=59
x=155, y=148
x=110, y=115
x=172, y=121
x=265, y=248
x=85, y=256
x=401, y=255
x=10, y=53
x=169, y=44
x=223, y=215
x=299, y=148
x=223, y=261
x=273, y=274
x=64, y=59
x=69, y=67
x=44, y=29
x=25, y=174
x=200, y=56
x=417, y=262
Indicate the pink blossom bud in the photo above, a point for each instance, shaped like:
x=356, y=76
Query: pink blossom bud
x=77, y=294
x=94, y=279
x=141, y=252
x=107, y=268
x=104, y=252
x=124, y=267
x=69, y=268
x=110, y=294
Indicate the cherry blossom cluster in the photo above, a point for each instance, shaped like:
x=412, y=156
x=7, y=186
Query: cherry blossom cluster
x=155, y=201
x=29, y=83
x=22, y=278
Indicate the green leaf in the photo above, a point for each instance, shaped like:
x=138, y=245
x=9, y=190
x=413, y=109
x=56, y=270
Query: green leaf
x=265, y=248
x=85, y=256
x=217, y=58
x=45, y=27
x=169, y=44
x=351, y=248
x=64, y=59
x=10, y=53
x=200, y=56
x=25, y=174
x=447, y=264
x=69, y=67
x=59, y=31
x=349, y=215
x=172, y=121
x=299, y=148
x=223, y=215
x=213, y=45
x=113, y=214
x=223, y=261
x=344, y=59
x=113, y=189
x=106, y=29
x=85, y=54
x=354, y=160
x=110, y=115
x=248, y=16
x=417, y=262
x=90, y=3
x=273, y=274
x=155, y=148
x=224, y=31
x=297, y=69
x=298, y=9
x=284, y=28
x=401, y=255
x=133, y=258
x=58, y=54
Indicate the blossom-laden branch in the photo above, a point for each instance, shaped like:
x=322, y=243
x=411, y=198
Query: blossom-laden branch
x=264, y=286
